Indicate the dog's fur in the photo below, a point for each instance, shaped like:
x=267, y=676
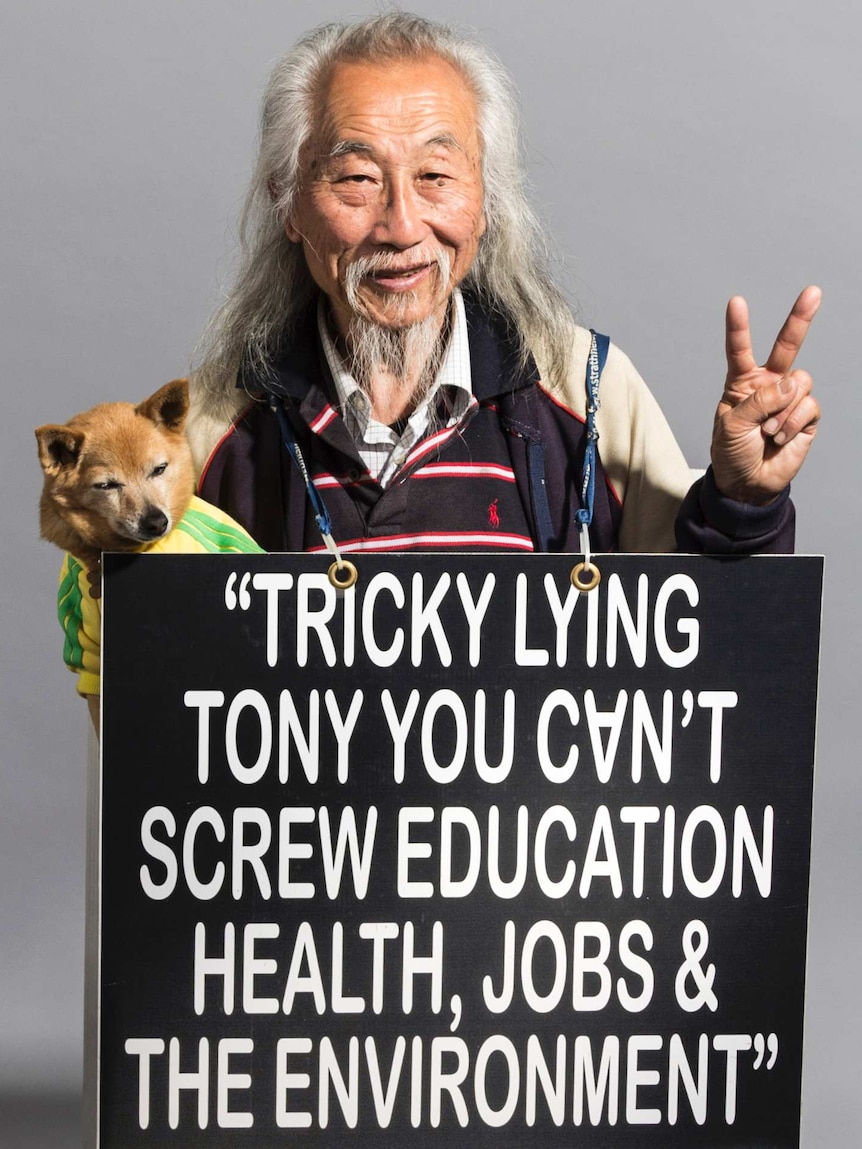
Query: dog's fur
x=117, y=477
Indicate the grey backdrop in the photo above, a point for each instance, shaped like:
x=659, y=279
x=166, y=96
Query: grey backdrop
x=681, y=152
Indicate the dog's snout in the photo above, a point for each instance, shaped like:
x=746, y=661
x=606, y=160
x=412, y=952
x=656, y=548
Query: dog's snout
x=153, y=523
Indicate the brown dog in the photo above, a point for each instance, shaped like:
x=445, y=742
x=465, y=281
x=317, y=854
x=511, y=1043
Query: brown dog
x=117, y=477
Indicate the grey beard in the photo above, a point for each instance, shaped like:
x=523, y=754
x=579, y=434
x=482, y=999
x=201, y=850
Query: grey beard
x=411, y=354
x=397, y=351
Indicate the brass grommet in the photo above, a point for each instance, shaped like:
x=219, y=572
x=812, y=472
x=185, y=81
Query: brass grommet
x=594, y=577
x=344, y=576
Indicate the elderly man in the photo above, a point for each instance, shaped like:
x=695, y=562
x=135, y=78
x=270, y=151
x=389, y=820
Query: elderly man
x=395, y=346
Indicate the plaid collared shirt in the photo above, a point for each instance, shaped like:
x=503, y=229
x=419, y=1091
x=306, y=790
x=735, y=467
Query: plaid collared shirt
x=383, y=449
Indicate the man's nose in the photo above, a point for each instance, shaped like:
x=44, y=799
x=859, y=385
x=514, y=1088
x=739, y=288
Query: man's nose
x=401, y=222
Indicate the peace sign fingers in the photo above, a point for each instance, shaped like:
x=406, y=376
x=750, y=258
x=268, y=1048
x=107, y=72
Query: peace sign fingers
x=744, y=376
x=767, y=416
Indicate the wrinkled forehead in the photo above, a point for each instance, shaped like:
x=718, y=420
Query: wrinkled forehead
x=400, y=100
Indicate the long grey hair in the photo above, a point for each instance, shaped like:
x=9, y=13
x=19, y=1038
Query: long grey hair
x=273, y=285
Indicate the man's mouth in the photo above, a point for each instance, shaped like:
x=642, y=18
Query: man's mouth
x=392, y=282
x=400, y=279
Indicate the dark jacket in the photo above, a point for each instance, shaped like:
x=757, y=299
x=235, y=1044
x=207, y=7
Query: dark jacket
x=508, y=476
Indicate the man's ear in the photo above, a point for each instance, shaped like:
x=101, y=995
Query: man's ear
x=59, y=447
x=169, y=406
x=274, y=189
x=291, y=230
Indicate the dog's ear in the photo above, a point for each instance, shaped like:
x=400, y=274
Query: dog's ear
x=169, y=406
x=59, y=447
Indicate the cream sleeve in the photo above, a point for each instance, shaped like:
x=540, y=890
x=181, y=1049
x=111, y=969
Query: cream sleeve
x=636, y=446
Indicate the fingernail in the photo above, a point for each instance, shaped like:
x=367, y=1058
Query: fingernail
x=786, y=384
x=770, y=426
x=780, y=438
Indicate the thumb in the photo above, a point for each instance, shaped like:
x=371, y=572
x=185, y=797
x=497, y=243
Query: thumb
x=766, y=402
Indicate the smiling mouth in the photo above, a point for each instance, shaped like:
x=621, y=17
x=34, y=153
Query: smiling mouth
x=400, y=279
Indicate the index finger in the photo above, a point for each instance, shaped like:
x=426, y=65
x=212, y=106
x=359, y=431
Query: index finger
x=737, y=340
x=792, y=334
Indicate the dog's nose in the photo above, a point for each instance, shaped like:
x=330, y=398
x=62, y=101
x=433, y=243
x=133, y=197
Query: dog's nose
x=153, y=524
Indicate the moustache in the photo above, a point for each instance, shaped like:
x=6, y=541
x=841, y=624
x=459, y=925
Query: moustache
x=382, y=261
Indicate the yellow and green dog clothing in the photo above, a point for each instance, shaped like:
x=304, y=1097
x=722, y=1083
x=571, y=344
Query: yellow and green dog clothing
x=203, y=529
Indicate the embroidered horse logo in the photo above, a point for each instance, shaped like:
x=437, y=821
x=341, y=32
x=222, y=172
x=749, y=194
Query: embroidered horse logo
x=493, y=516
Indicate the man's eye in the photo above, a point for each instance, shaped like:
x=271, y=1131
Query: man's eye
x=160, y=470
x=435, y=179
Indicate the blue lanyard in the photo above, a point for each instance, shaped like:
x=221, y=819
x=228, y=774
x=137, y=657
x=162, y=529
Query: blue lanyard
x=321, y=514
x=595, y=365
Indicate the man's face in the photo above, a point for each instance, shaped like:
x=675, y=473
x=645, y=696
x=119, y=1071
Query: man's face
x=392, y=172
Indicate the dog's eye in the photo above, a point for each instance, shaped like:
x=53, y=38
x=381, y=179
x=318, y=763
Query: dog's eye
x=108, y=485
x=160, y=470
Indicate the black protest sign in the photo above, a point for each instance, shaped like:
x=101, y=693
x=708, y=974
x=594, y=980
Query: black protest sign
x=457, y=857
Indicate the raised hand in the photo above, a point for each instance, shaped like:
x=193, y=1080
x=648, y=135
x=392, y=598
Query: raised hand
x=767, y=417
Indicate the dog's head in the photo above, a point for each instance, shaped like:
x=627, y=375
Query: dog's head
x=117, y=477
